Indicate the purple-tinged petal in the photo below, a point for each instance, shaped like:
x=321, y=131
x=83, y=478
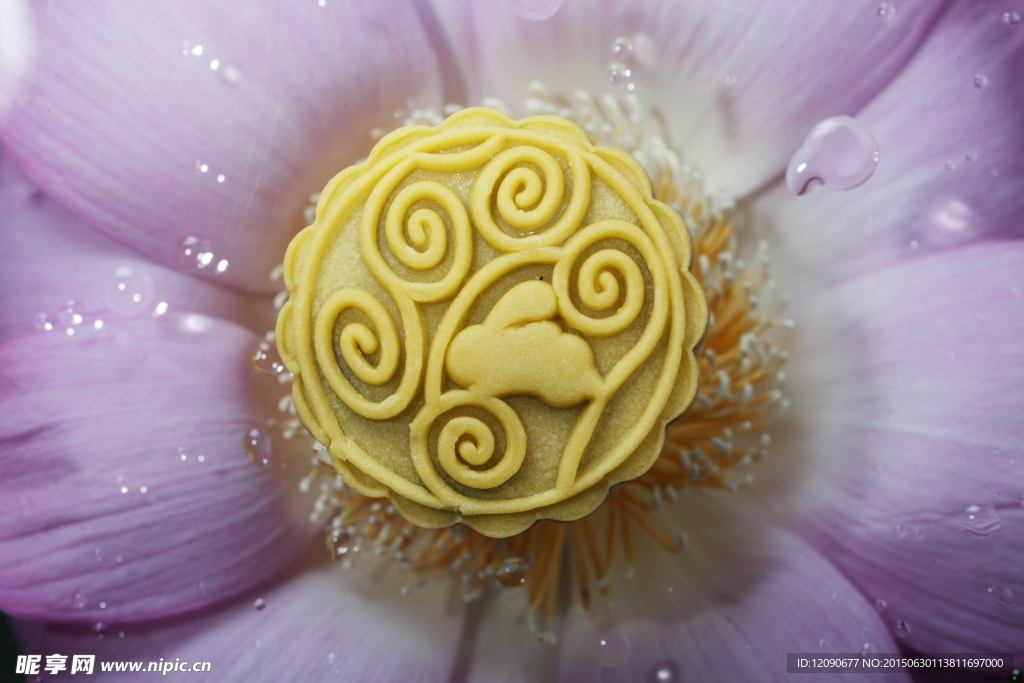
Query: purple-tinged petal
x=952, y=157
x=915, y=421
x=738, y=83
x=125, y=489
x=727, y=608
x=319, y=625
x=156, y=122
x=504, y=649
x=49, y=257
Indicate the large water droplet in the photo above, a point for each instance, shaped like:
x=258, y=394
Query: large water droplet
x=902, y=629
x=982, y=520
x=881, y=604
x=840, y=152
x=613, y=650
x=340, y=543
x=618, y=73
x=512, y=572
x=622, y=49
x=980, y=81
x=1011, y=19
x=194, y=254
x=1001, y=594
x=259, y=603
x=130, y=290
x=267, y=360
x=666, y=672
x=886, y=11
x=537, y=10
x=258, y=445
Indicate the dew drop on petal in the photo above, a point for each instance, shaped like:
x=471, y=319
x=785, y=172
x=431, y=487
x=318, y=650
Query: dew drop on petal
x=825, y=645
x=1011, y=19
x=950, y=165
x=881, y=604
x=44, y=322
x=622, y=49
x=258, y=445
x=537, y=10
x=194, y=254
x=618, y=73
x=512, y=572
x=259, y=603
x=840, y=152
x=130, y=290
x=665, y=672
x=79, y=600
x=1001, y=595
x=340, y=543
x=886, y=11
x=981, y=520
x=613, y=650
x=902, y=629
x=70, y=315
x=230, y=73
x=99, y=628
x=980, y=81
x=267, y=360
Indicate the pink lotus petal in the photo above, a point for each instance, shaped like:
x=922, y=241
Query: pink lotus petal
x=951, y=164
x=739, y=84
x=125, y=488
x=17, y=47
x=920, y=421
x=49, y=257
x=153, y=123
x=728, y=608
x=320, y=625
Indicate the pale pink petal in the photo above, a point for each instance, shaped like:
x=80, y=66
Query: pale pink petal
x=125, y=489
x=738, y=83
x=17, y=47
x=728, y=608
x=915, y=419
x=49, y=257
x=503, y=648
x=323, y=624
x=951, y=157
x=153, y=122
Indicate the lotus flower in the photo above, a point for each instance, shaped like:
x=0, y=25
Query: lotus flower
x=158, y=157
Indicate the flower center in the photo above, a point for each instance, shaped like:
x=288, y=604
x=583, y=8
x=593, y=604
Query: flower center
x=723, y=432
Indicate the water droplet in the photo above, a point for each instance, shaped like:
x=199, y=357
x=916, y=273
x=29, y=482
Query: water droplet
x=867, y=648
x=331, y=657
x=99, y=628
x=618, y=73
x=902, y=629
x=537, y=10
x=835, y=598
x=197, y=50
x=130, y=290
x=120, y=634
x=970, y=156
x=840, y=152
x=71, y=314
x=731, y=80
x=221, y=178
x=613, y=650
x=79, y=600
x=267, y=360
x=512, y=572
x=666, y=672
x=214, y=64
x=950, y=165
x=44, y=322
x=901, y=531
x=202, y=587
x=194, y=253
x=1002, y=595
x=886, y=11
x=824, y=645
x=622, y=49
x=259, y=603
x=322, y=3
x=340, y=543
x=980, y=81
x=1011, y=19
x=98, y=554
x=258, y=445
x=119, y=559
x=881, y=604
x=982, y=520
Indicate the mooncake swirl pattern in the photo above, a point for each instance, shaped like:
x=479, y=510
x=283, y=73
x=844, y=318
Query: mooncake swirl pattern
x=491, y=322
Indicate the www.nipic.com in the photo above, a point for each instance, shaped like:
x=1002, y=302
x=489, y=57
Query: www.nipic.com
x=32, y=665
